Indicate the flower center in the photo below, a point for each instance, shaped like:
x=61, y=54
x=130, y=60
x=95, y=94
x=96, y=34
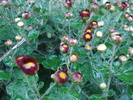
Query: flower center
x=118, y=36
x=29, y=65
x=88, y=36
x=79, y=75
x=94, y=23
x=85, y=12
x=89, y=31
x=107, y=4
x=65, y=46
x=88, y=46
x=20, y=57
x=74, y=56
x=68, y=2
x=62, y=75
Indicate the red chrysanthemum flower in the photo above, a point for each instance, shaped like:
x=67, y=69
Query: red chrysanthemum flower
x=29, y=65
x=19, y=59
x=107, y=5
x=87, y=37
x=68, y=3
x=73, y=57
x=94, y=6
x=77, y=77
x=64, y=38
x=73, y=41
x=94, y=24
x=26, y=14
x=60, y=76
x=85, y=14
x=64, y=48
x=88, y=30
x=124, y=5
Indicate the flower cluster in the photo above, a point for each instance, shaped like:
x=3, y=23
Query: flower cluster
x=28, y=65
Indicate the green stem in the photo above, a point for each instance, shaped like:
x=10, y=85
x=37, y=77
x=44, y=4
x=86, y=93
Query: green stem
x=48, y=90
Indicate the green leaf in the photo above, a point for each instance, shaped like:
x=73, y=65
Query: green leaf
x=4, y=75
x=48, y=28
x=96, y=97
x=33, y=34
x=9, y=61
x=77, y=25
x=126, y=76
x=51, y=62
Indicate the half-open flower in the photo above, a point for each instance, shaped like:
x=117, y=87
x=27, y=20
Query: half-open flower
x=107, y=5
x=20, y=24
x=100, y=23
x=112, y=8
x=73, y=57
x=73, y=41
x=18, y=37
x=130, y=51
x=101, y=47
x=26, y=14
x=94, y=24
x=124, y=5
x=88, y=47
x=60, y=76
x=8, y=43
x=69, y=15
x=117, y=38
x=64, y=38
x=123, y=58
x=88, y=30
x=94, y=6
x=29, y=65
x=85, y=14
x=87, y=37
x=68, y=3
x=64, y=48
x=77, y=77
x=19, y=59
x=17, y=19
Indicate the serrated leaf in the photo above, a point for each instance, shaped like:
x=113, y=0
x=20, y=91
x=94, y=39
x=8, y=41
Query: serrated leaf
x=33, y=34
x=4, y=75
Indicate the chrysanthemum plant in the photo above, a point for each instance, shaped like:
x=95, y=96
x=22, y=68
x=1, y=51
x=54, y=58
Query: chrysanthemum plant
x=66, y=50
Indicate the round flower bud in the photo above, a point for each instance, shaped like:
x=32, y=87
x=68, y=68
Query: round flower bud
x=114, y=33
x=103, y=86
x=88, y=47
x=99, y=34
x=18, y=37
x=8, y=43
x=130, y=18
x=69, y=15
x=130, y=51
x=94, y=6
x=26, y=14
x=60, y=76
x=112, y=30
x=73, y=57
x=100, y=23
x=101, y=47
x=123, y=5
x=17, y=19
x=29, y=65
x=64, y=38
x=73, y=41
x=94, y=24
x=5, y=2
x=123, y=58
x=77, y=77
x=87, y=37
x=64, y=48
x=116, y=3
x=117, y=38
x=127, y=29
x=85, y=14
x=20, y=24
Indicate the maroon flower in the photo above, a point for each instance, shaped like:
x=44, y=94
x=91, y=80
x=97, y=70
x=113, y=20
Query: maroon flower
x=88, y=30
x=19, y=59
x=116, y=2
x=64, y=38
x=117, y=38
x=88, y=47
x=87, y=36
x=124, y=5
x=68, y=3
x=28, y=65
x=69, y=15
x=94, y=24
x=130, y=18
x=26, y=14
x=64, y=48
x=73, y=41
x=73, y=57
x=107, y=5
x=94, y=6
x=85, y=14
x=77, y=77
x=60, y=76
